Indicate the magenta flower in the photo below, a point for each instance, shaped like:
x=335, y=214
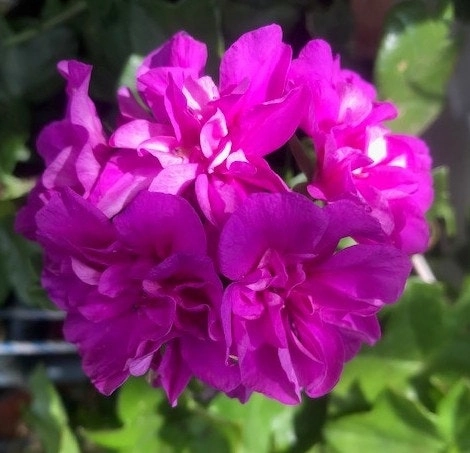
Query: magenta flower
x=131, y=285
x=177, y=251
x=73, y=149
x=297, y=308
x=208, y=142
x=357, y=157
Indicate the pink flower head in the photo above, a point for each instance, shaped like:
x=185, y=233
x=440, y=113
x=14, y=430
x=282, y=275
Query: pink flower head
x=206, y=139
x=357, y=157
x=297, y=308
x=175, y=249
x=131, y=285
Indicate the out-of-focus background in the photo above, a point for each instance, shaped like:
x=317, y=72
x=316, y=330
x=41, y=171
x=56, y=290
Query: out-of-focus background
x=410, y=393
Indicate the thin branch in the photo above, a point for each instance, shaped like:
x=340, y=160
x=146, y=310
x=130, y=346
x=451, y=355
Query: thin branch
x=64, y=16
x=305, y=164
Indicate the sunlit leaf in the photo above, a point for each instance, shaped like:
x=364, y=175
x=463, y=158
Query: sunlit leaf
x=454, y=416
x=137, y=409
x=414, y=63
x=394, y=424
x=414, y=330
x=261, y=421
x=374, y=373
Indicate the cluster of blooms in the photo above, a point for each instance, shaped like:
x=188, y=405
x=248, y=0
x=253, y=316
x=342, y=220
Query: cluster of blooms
x=176, y=250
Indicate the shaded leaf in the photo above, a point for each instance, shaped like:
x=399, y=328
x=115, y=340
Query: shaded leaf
x=28, y=67
x=241, y=17
x=48, y=417
x=153, y=21
x=14, y=131
x=23, y=261
x=442, y=208
x=453, y=359
x=194, y=429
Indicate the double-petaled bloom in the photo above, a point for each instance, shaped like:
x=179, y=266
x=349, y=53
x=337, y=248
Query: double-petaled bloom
x=358, y=158
x=175, y=249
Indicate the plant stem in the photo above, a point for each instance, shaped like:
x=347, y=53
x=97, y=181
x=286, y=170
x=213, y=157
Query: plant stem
x=305, y=164
x=64, y=16
x=422, y=268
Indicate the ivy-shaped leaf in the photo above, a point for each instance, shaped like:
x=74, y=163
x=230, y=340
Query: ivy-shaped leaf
x=137, y=410
x=395, y=424
x=454, y=417
x=414, y=63
x=47, y=416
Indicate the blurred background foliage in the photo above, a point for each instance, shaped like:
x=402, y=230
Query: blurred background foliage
x=410, y=393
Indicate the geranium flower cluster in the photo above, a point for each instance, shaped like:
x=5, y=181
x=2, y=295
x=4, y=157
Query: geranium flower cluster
x=176, y=251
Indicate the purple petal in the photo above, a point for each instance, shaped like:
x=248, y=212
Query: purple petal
x=134, y=133
x=160, y=224
x=288, y=222
x=207, y=361
x=172, y=373
x=181, y=51
x=80, y=110
x=175, y=178
x=107, y=347
x=268, y=126
x=259, y=59
x=318, y=358
x=270, y=371
x=366, y=272
x=70, y=224
x=123, y=176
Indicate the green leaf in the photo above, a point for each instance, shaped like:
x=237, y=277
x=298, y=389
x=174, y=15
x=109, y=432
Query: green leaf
x=128, y=73
x=442, y=208
x=119, y=29
x=453, y=360
x=454, y=416
x=261, y=422
x=153, y=21
x=241, y=17
x=395, y=424
x=414, y=327
x=14, y=131
x=195, y=430
x=28, y=66
x=12, y=187
x=51, y=9
x=47, y=416
x=137, y=409
x=414, y=332
x=414, y=63
x=462, y=9
x=309, y=420
x=23, y=261
x=426, y=307
x=373, y=374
